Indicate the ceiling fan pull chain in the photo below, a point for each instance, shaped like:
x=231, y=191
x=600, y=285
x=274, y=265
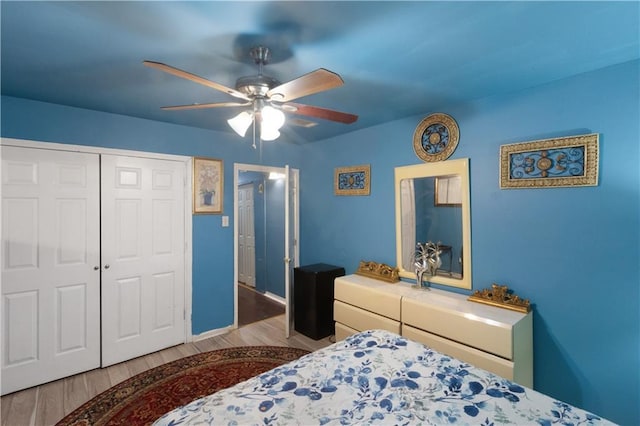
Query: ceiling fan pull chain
x=254, y=133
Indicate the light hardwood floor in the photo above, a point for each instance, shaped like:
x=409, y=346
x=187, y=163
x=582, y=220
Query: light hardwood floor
x=49, y=403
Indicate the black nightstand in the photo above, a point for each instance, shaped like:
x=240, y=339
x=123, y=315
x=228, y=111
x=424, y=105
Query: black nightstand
x=313, y=299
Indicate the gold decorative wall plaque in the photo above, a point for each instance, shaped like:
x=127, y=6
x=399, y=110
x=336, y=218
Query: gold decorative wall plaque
x=354, y=180
x=500, y=296
x=436, y=137
x=378, y=271
x=565, y=162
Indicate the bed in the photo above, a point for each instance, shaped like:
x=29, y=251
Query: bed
x=377, y=377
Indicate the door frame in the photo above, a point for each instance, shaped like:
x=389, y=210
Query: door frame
x=188, y=162
x=242, y=167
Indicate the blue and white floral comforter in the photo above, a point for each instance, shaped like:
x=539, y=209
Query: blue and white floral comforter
x=377, y=377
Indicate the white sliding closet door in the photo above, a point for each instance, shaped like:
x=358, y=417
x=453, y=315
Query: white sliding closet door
x=143, y=246
x=50, y=265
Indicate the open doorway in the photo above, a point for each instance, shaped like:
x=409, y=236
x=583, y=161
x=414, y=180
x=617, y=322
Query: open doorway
x=262, y=256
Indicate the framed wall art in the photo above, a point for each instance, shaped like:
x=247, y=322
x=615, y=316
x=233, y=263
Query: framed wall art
x=559, y=162
x=354, y=180
x=208, y=177
x=436, y=137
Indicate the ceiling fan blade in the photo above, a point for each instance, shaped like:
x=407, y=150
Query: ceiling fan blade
x=308, y=84
x=196, y=79
x=327, y=114
x=204, y=106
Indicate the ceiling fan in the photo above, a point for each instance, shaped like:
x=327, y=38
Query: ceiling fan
x=266, y=97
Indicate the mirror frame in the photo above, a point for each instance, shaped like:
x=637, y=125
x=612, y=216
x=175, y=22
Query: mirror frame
x=440, y=168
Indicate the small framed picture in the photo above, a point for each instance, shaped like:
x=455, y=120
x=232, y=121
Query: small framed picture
x=208, y=177
x=354, y=180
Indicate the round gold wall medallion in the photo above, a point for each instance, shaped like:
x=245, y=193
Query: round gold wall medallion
x=436, y=137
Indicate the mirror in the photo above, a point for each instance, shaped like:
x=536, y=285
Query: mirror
x=432, y=204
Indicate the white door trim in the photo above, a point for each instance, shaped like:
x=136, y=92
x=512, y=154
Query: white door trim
x=188, y=162
x=90, y=149
x=237, y=168
x=291, y=207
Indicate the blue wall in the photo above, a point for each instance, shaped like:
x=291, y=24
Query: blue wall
x=212, y=278
x=574, y=252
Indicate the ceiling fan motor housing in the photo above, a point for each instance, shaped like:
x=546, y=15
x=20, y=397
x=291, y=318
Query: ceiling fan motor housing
x=256, y=85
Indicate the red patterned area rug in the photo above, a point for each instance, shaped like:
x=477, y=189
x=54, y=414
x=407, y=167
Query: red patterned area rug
x=145, y=397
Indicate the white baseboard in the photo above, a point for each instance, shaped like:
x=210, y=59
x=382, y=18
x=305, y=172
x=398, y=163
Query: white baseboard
x=212, y=333
x=276, y=298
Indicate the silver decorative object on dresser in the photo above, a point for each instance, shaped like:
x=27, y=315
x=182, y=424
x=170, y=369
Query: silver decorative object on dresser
x=427, y=259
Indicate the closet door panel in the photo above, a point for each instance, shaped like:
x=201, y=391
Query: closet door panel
x=50, y=289
x=142, y=256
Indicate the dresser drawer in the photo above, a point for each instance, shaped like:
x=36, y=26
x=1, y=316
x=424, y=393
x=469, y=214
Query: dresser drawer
x=484, y=360
x=342, y=331
x=360, y=320
x=495, y=339
x=380, y=301
x=480, y=333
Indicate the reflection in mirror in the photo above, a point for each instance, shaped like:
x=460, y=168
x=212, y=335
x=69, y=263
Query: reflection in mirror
x=425, y=215
x=432, y=205
x=447, y=191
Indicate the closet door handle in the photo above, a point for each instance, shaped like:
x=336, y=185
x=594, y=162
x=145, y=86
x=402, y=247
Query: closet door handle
x=95, y=268
x=106, y=266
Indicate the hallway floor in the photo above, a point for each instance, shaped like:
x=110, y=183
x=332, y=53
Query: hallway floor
x=254, y=306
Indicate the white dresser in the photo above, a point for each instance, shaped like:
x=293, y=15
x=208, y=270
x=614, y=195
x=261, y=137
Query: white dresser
x=495, y=339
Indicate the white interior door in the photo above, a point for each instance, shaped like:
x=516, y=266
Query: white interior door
x=291, y=259
x=143, y=248
x=50, y=265
x=246, y=236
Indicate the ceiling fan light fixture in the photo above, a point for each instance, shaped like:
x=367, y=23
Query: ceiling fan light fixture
x=271, y=117
x=241, y=122
x=268, y=133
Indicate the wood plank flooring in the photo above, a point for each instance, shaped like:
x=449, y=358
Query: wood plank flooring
x=254, y=306
x=49, y=403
